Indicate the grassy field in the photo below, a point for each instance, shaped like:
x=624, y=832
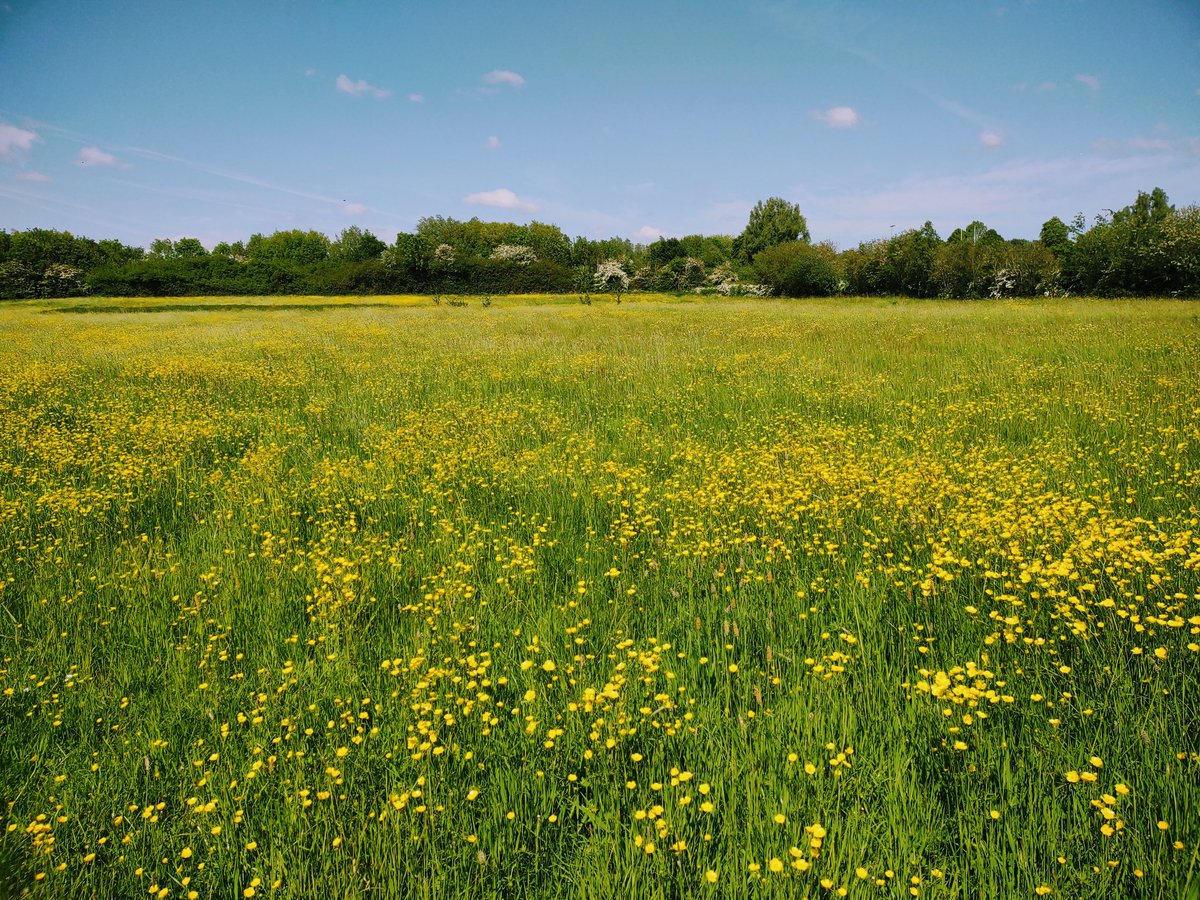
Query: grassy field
x=376, y=598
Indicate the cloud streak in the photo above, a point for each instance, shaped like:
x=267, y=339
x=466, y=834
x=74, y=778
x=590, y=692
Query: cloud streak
x=347, y=85
x=501, y=198
x=96, y=158
x=146, y=153
x=999, y=195
x=200, y=194
x=54, y=205
x=503, y=76
x=1181, y=147
x=839, y=117
x=15, y=142
x=898, y=75
x=1091, y=82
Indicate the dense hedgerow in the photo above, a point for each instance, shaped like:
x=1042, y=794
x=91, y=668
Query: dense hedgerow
x=1148, y=248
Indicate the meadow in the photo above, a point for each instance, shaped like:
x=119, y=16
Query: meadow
x=710, y=598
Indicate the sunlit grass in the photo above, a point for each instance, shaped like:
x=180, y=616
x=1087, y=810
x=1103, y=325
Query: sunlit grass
x=681, y=597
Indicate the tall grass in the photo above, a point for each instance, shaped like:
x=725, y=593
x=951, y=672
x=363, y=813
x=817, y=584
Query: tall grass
x=665, y=599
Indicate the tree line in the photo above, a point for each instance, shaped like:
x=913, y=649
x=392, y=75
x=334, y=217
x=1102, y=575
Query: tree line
x=1147, y=248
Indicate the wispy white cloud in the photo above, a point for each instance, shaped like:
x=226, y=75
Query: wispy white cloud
x=310, y=72
x=1152, y=145
x=492, y=143
x=900, y=76
x=94, y=156
x=503, y=76
x=58, y=206
x=239, y=178
x=1091, y=82
x=30, y=175
x=1186, y=147
x=208, y=169
x=353, y=209
x=794, y=18
x=347, y=85
x=647, y=233
x=991, y=139
x=15, y=141
x=235, y=199
x=838, y=117
x=1012, y=192
x=502, y=198
x=1047, y=86
x=959, y=110
x=416, y=98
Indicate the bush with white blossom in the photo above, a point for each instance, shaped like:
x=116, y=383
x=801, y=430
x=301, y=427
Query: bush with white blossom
x=610, y=275
x=514, y=253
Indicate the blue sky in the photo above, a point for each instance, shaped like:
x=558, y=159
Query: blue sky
x=144, y=119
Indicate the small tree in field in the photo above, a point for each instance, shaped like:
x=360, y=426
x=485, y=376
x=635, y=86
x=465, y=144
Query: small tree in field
x=611, y=276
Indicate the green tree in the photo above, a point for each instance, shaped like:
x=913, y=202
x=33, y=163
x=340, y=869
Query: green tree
x=712, y=250
x=772, y=222
x=976, y=234
x=1147, y=210
x=235, y=251
x=189, y=248
x=549, y=243
x=116, y=253
x=864, y=267
x=909, y=261
x=664, y=250
x=967, y=262
x=356, y=245
x=439, y=230
x=1181, y=249
x=40, y=248
x=295, y=247
x=182, y=248
x=161, y=248
x=1056, y=237
x=410, y=257
x=1126, y=253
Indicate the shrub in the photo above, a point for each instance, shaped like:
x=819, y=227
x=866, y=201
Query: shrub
x=799, y=269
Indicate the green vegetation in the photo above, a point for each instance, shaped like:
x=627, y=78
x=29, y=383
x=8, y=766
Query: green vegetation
x=1147, y=248
x=865, y=598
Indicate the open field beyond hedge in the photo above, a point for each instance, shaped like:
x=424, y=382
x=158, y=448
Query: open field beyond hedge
x=375, y=598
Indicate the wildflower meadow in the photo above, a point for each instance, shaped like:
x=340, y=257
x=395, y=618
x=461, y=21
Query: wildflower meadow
x=677, y=597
